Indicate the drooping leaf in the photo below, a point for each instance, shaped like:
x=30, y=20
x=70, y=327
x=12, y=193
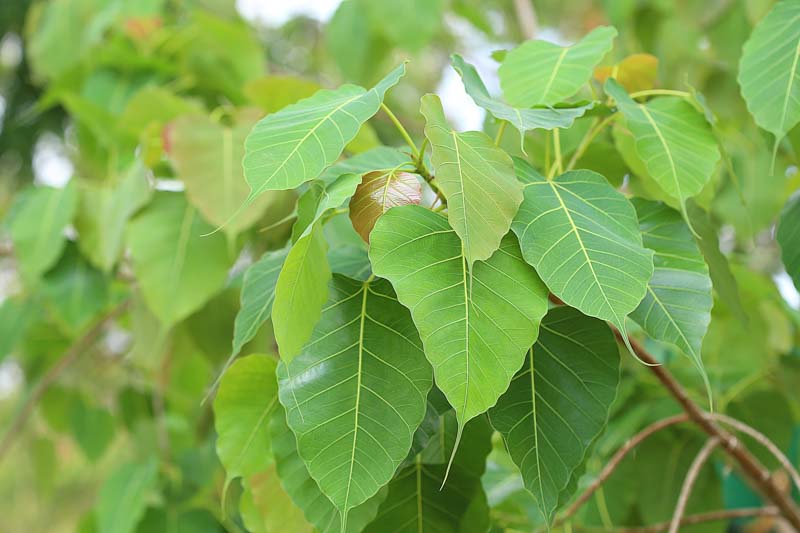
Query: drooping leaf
x=769, y=71
x=297, y=143
x=476, y=324
x=673, y=139
x=417, y=499
x=559, y=402
x=246, y=399
x=123, y=497
x=178, y=268
x=37, y=223
x=524, y=119
x=356, y=392
x=104, y=210
x=478, y=179
x=321, y=197
x=258, y=294
x=300, y=292
x=304, y=491
x=378, y=192
x=583, y=238
x=207, y=157
x=637, y=72
x=788, y=236
x=677, y=306
x=542, y=73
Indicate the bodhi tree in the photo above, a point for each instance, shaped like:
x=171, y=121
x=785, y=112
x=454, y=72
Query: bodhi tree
x=264, y=303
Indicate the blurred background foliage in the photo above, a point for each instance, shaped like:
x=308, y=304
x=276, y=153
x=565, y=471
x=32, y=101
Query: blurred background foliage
x=98, y=97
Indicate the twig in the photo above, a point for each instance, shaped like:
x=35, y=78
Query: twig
x=764, y=441
x=691, y=479
x=711, y=516
x=69, y=357
x=526, y=17
x=758, y=476
x=614, y=462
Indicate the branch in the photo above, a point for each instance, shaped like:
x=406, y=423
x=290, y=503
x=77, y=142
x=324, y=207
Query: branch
x=526, y=17
x=614, y=462
x=70, y=356
x=712, y=516
x=764, y=441
x=691, y=479
x=753, y=470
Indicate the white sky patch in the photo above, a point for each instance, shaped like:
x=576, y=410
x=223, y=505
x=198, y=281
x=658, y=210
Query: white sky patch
x=787, y=289
x=277, y=12
x=51, y=166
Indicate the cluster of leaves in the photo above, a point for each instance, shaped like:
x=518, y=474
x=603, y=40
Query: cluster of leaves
x=428, y=332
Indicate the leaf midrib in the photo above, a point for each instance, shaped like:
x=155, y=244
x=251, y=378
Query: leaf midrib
x=667, y=150
x=792, y=75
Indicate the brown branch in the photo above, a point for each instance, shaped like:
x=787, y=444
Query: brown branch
x=691, y=479
x=526, y=18
x=758, y=476
x=70, y=356
x=712, y=516
x=614, y=462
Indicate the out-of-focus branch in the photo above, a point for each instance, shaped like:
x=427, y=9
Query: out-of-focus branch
x=526, y=17
x=691, y=479
x=711, y=516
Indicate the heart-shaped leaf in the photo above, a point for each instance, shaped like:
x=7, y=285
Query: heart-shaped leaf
x=378, y=192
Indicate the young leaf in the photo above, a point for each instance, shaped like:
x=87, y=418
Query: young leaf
x=178, y=269
x=558, y=403
x=207, y=157
x=246, y=399
x=637, y=72
x=583, y=238
x=417, y=500
x=297, y=143
x=677, y=306
x=378, y=192
x=523, y=119
x=258, y=293
x=305, y=492
x=300, y=292
x=37, y=223
x=476, y=324
x=674, y=141
x=103, y=213
x=356, y=392
x=542, y=73
x=788, y=236
x=478, y=179
x=769, y=71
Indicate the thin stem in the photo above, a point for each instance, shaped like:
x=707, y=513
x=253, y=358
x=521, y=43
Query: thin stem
x=421, y=156
x=587, y=140
x=500, y=131
x=526, y=17
x=614, y=462
x=77, y=349
x=711, y=516
x=660, y=92
x=691, y=479
x=402, y=130
x=557, y=147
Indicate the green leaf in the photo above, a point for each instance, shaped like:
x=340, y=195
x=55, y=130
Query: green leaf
x=583, y=238
x=409, y=24
x=418, y=500
x=476, y=324
x=273, y=93
x=123, y=497
x=523, y=119
x=16, y=315
x=542, y=73
x=673, y=139
x=207, y=157
x=104, y=211
x=300, y=292
x=38, y=218
x=267, y=508
x=304, y=491
x=769, y=71
x=478, y=179
x=92, y=426
x=378, y=192
x=382, y=158
x=788, y=236
x=677, y=306
x=177, y=267
x=243, y=406
x=356, y=393
x=297, y=143
x=637, y=72
x=350, y=260
x=319, y=198
x=558, y=403
x=258, y=293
